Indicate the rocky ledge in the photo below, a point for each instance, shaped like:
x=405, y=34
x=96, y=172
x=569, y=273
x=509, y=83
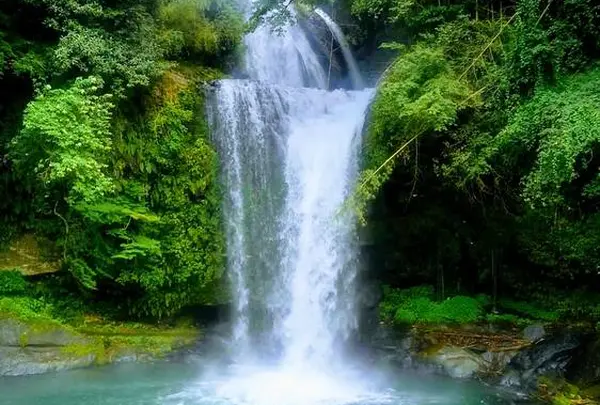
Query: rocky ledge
x=36, y=347
x=517, y=359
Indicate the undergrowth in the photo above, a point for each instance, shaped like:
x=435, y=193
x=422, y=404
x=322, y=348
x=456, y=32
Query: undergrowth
x=417, y=305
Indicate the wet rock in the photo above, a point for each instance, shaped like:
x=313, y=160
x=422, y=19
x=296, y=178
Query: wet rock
x=458, y=362
x=534, y=333
x=548, y=357
x=496, y=362
x=16, y=361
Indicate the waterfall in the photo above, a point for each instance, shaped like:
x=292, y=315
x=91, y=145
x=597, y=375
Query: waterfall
x=355, y=75
x=288, y=151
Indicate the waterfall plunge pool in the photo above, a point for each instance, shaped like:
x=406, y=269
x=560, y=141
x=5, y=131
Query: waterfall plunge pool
x=185, y=383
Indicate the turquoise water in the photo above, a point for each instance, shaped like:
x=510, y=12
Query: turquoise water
x=184, y=384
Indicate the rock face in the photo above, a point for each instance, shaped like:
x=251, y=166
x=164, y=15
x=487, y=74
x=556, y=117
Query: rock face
x=38, y=360
x=30, y=255
x=585, y=367
x=40, y=347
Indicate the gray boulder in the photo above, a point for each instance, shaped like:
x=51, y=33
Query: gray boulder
x=534, y=333
x=458, y=362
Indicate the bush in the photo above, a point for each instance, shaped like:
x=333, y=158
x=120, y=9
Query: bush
x=529, y=310
x=26, y=308
x=12, y=282
x=507, y=319
x=460, y=309
x=416, y=305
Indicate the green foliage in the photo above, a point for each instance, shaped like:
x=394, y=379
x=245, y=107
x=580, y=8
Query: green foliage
x=417, y=17
x=200, y=28
x=494, y=184
x=420, y=97
x=529, y=310
x=65, y=140
x=26, y=308
x=561, y=126
x=110, y=158
x=12, y=282
x=124, y=62
x=507, y=320
x=549, y=146
x=415, y=305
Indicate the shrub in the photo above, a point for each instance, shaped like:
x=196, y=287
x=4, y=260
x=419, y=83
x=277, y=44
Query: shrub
x=416, y=305
x=12, y=282
x=460, y=309
x=529, y=310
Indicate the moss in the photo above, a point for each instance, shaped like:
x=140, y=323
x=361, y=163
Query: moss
x=81, y=350
x=102, y=340
x=557, y=391
x=108, y=344
x=592, y=392
x=23, y=339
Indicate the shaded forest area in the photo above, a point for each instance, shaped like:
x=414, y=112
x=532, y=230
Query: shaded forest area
x=491, y=112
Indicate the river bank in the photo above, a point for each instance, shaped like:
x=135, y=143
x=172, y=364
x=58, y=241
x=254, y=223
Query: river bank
x=34, y=342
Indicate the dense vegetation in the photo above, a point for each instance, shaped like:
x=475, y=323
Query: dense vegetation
x=104, y=148
x=490, y=112
x=480, y=173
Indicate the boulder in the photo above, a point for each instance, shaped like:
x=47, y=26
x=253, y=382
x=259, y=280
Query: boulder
x=534, y=333
x=29, y=360
x=548, y=357
x=497, y=361
x=19, y=334
x=458, y=362
x=40, y=347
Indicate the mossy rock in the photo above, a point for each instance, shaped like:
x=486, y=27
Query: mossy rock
x=41, y=333
x=38, y=346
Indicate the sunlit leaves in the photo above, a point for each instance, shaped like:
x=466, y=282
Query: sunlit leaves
x=421, y=95
x=561, y=126
x=65, y=140
x=198, y=29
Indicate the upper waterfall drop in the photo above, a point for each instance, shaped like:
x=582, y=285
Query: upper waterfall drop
x=289, y=158
x=355, y=75
x=284, y=58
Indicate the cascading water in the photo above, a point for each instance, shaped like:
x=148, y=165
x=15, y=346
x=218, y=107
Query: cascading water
x=288, y=149
x=288, y=153
x=339, y=36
